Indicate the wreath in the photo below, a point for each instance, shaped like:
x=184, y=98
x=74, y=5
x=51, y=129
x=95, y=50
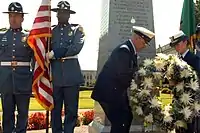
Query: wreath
x=146, y=101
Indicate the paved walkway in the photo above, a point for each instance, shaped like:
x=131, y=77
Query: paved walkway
x=82, y=129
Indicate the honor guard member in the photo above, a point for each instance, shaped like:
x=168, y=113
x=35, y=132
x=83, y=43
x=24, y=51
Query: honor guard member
x=66, y=43
x=16, y=76
x=180, y=42
x=115, y=77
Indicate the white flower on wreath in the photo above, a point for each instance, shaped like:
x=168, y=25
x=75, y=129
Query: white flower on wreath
x=168, y=118
x=176, y=60
x=186, y=98
x=197, y=107
x=162, y=56
x=194, y=85
x=133, y=99
x=139, y=110
x=180, y=86
x=185, y=73
x=133, y=85
x=187, y=112
x=149, y=118
x=167, y=108
x=148, y=62
x=155, y=103
x=180, y=123
x=144, y=92
x=147, y=83
x=170, y=70
x=159, y=64
x=157, y=75
x=142, y=72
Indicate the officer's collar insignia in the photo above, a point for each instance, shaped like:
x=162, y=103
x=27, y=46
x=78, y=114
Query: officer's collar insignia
x=70, y=33
x=24, y=38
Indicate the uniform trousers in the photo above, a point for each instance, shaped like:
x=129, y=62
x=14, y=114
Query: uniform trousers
x=9, y=104
x=70, y=96
x=119, y=115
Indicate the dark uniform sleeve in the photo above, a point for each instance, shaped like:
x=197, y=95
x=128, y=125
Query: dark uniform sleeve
x=77, y=43
x=193, y=60
x=124, y=67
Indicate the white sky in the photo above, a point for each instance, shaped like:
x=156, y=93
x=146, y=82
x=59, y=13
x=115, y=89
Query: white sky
x=167, y=15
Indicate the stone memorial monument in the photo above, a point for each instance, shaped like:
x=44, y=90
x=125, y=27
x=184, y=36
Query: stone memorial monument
x=118, y=16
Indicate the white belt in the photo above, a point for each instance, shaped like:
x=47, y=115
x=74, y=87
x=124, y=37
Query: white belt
x=14, y=63
x=70, y=57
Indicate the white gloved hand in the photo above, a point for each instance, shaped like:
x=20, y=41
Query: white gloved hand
x=50, y=55
x=197, y=48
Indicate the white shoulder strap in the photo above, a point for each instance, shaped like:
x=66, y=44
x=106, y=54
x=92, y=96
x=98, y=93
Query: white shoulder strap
x=125, y=46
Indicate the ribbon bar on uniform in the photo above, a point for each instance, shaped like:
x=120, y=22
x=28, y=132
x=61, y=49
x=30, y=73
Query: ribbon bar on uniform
x=14, y=63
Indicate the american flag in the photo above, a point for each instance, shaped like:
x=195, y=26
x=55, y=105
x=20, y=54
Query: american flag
x=38, y=41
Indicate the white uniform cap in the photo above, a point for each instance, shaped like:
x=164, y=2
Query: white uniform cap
x=146, y=34
x=178, y=37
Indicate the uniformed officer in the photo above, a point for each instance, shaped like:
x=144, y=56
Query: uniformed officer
x=115, y=77
x=180, y=42
x=15, y=73
x=66, y=43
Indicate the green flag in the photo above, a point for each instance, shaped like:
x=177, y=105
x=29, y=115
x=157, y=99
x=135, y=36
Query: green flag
x=188, y=22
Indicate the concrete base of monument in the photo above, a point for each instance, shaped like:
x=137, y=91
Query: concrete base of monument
x=96, y=127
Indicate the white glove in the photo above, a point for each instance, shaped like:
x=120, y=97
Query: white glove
x=197, y=48
x=50, y=55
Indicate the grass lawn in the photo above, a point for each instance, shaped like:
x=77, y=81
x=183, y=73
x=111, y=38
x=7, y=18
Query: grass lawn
x=85, y=102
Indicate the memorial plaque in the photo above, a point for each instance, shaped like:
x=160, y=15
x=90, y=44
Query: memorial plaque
x=115, y=29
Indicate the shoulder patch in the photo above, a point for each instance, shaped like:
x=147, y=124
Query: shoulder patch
x=80, y=28
x=125, y=46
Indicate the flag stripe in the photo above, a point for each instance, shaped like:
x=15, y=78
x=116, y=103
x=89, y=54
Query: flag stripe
x=42, y=19
x=41, y=25
x=46, y=86
x=47, y=103
x=43, y=13
x=37, y=40
x=46, y=2
x=46, y=94
x=41, y=49
x=44, y=8
x=40, y=31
